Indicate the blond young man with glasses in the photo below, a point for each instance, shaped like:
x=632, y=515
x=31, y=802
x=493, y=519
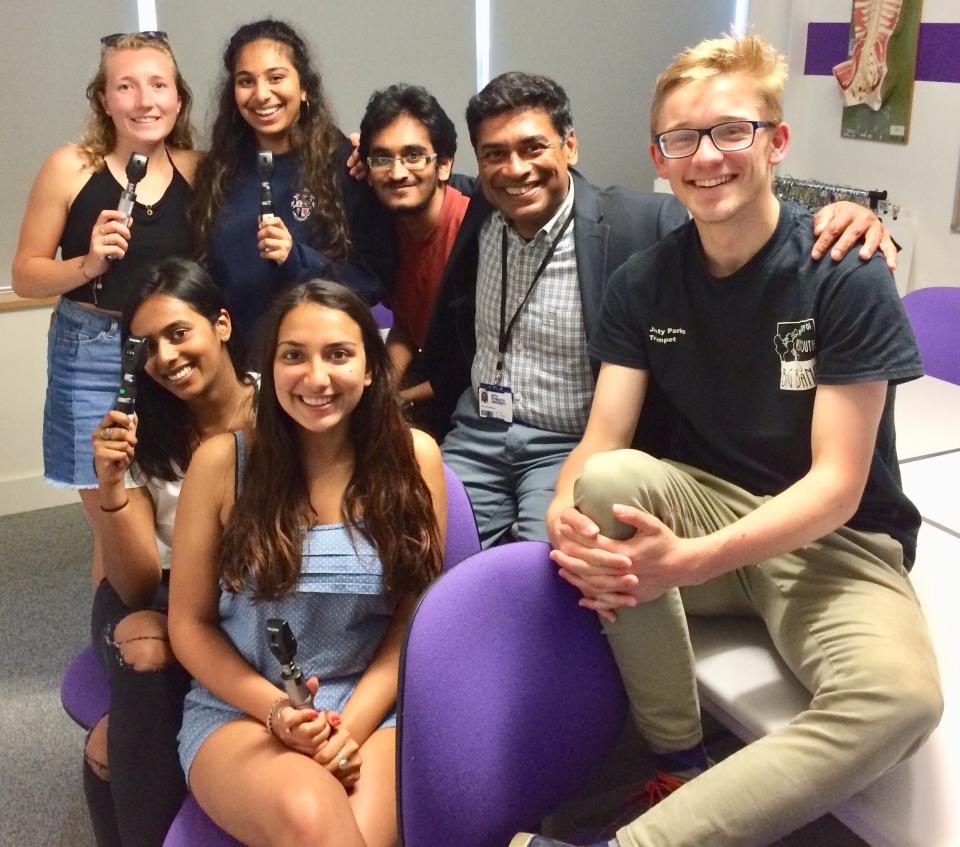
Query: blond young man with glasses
x=779, y=495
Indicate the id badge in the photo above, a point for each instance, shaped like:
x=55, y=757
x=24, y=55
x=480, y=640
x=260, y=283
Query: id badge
x=496, y=401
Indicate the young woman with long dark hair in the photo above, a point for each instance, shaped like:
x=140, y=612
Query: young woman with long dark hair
x=332, y=518
x=325, y=224
x=189, y=390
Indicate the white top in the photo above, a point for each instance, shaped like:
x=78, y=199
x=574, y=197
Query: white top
x=164, y=495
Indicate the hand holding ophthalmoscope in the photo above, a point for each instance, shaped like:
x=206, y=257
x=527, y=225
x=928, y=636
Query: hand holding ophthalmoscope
x=274, y=240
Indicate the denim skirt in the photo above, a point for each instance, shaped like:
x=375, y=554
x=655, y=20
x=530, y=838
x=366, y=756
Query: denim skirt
x=83, y=373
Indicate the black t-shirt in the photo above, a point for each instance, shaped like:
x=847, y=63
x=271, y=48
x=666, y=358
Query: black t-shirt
x=740, y=357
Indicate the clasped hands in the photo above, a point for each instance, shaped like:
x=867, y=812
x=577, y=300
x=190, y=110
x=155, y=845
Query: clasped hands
x=322, y=736
x=611, y=574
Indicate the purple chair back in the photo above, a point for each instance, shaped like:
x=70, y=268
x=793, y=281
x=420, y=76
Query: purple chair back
x=85, y=689
x=509, y=699
x=935, y=316
x=383, y=316
x=462, y=537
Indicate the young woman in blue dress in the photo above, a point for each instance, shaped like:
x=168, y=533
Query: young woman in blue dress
x=330, y=514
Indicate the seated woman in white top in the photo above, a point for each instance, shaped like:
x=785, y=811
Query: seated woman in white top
x=188, y=391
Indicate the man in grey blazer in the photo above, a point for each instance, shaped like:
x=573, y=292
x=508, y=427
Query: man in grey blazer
x=506, y=352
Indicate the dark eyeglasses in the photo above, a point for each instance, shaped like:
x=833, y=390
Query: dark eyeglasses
x=411, y=161
x=148, y=35
x=727, y=137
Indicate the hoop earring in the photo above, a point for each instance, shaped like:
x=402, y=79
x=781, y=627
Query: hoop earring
x=305, y=107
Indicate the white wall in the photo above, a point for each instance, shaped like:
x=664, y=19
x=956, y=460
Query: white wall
x=921, y=176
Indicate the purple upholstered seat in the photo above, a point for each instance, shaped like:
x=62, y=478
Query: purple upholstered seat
x=462, y=537
x=509, y=698
x=935, y=316
x=192, y=828
x=85, y=689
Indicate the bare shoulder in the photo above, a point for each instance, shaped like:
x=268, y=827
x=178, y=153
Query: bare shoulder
x=215, y=455
x=66, y=169
x=425, y=449
x=186, y=161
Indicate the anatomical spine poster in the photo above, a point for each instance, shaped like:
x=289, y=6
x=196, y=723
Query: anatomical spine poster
x=876, y=82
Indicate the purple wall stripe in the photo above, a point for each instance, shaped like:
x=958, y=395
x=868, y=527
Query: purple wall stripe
x=938, y=58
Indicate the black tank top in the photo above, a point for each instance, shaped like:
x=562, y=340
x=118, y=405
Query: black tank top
x=159, y=230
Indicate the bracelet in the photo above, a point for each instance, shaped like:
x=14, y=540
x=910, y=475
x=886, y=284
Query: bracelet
x=116, y=508
x=273, y=711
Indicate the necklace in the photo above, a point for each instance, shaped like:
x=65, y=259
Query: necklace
x=243, y=396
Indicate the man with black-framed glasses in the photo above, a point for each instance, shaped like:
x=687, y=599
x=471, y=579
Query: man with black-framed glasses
x=779, y=495
x=408, y=143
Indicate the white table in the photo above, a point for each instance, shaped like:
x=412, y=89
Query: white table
x=927, y=418
x=746, y=686
x=933, y=484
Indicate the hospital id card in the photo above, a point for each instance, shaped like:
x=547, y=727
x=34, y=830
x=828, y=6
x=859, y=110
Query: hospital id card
x=496, y=401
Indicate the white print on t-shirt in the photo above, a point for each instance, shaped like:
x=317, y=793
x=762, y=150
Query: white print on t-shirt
x=796, y=344
x=303, y=203
x=667, y=335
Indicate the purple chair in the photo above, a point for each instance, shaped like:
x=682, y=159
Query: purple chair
x=509, y=699
x=85, y=689
x=192, y=828
x=462, y=537
x=935, y=316
x=383, y=315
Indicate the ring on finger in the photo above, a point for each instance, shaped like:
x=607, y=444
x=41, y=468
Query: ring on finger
x=105, y=433
x=103, y=231
x=343, y=764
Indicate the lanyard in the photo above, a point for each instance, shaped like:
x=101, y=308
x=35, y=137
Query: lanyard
x=507, y=331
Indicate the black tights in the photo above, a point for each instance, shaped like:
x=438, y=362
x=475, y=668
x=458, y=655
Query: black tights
x=146, y=786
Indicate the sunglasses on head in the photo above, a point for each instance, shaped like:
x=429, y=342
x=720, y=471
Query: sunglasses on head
x=149, y=35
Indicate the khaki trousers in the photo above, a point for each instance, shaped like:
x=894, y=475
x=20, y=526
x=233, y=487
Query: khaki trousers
x=842, y=614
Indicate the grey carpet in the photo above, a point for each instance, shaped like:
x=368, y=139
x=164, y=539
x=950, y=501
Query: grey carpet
x=44, y=614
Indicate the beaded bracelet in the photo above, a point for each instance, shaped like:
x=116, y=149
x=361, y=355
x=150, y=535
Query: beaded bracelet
x=272, y=712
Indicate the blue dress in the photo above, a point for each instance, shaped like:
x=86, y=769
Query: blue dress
x=338, y=612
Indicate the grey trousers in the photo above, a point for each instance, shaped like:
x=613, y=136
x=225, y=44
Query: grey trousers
x=842, y=614
x=509, y=471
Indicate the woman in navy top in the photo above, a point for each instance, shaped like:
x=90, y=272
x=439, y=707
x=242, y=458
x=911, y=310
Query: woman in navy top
x=324, y=223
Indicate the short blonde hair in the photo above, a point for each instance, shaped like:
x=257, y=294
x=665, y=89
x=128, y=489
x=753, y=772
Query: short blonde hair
x=728, y=54
x=100, y=135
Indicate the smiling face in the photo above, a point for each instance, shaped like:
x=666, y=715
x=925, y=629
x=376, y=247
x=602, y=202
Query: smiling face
x=140, y=96
x=186, y=353
x=266, y=87
x=319, y=367
x=722, y=188
x=400, y=189
x=524, y=166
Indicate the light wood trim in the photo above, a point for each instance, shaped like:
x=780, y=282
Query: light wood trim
x=10, y=302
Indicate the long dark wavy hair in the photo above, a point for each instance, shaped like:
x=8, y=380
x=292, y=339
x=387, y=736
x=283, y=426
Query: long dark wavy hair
x=167, y=433
x=386, y=497
x=315, y=138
